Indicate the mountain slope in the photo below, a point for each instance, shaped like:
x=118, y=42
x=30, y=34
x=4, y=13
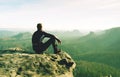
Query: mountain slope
x=22, y=36
x=101, y=47
x=109, y=40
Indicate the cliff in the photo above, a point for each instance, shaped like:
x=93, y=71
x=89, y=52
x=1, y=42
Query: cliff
x=36, y=65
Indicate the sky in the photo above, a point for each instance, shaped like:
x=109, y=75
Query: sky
x=84, y=15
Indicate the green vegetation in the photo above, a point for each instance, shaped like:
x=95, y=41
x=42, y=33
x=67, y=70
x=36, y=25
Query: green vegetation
x=96, y=54
x=21, y=40
x=92, y=69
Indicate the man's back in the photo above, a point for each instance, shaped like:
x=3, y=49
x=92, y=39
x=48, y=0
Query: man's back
x=36, y=37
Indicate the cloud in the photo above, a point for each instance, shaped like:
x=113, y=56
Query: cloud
x=56, y=14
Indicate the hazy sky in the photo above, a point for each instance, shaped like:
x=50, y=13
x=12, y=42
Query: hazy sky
x=60, y=14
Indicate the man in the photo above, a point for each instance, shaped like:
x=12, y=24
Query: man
x=38, y=46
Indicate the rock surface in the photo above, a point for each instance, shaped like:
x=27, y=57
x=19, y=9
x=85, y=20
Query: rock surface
x=36, y=65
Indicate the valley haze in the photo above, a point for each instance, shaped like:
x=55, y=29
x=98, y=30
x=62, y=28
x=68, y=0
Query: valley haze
x=97, y=54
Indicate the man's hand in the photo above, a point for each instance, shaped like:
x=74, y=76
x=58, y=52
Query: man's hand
x=58, y=41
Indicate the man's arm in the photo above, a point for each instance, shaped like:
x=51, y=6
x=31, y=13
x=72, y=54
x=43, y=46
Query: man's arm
x=50, y=35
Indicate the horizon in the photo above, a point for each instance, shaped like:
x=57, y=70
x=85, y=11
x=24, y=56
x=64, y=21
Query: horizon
x=87, y=15
x=28, y=30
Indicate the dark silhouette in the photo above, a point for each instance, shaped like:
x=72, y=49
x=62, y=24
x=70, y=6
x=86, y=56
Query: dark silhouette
x=38, y=46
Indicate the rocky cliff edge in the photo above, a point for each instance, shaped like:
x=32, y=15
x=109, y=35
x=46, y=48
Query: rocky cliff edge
x=36, y=65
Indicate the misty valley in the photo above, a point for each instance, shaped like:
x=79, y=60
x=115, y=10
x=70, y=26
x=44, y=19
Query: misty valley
x=97, y=54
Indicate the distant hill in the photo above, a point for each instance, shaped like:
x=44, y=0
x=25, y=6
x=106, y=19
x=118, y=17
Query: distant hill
x=22, y=40
x=102, y=47
x=67, y=34
x=24, y=35
x=5, y=33
x=108, y=40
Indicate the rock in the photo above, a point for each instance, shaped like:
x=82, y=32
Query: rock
x=36, y=65
x=16, y=49
x=108, y=76
x=12, y=50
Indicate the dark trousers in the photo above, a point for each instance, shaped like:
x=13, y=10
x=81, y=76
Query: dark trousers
x=40, y=48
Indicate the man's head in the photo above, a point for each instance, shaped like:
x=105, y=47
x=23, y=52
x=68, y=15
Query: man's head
x=39, y=26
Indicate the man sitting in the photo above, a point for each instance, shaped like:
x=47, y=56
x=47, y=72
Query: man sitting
x=38, y=46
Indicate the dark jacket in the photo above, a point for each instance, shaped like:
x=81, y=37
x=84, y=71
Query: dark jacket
x=38, y=36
